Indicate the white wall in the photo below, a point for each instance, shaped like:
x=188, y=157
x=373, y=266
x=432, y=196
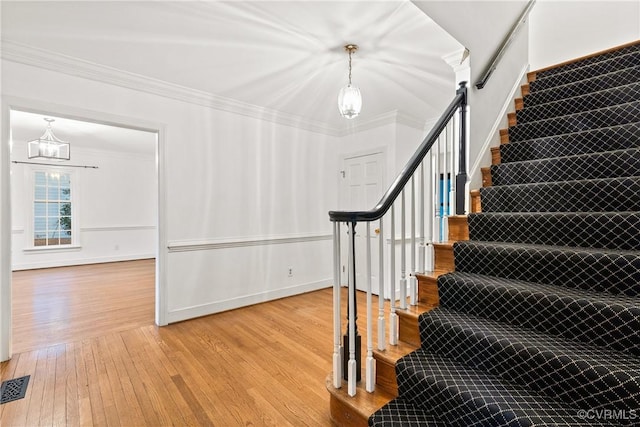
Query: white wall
x=116, y=209
x=481, y=26
x=244, y=198
x=564, y=30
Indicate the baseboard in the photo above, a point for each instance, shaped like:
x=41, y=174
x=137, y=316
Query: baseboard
x=186, y=313
x=508, y=103
x=81, y=261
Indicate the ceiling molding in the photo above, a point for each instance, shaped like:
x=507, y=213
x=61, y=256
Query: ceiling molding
x=41, y=58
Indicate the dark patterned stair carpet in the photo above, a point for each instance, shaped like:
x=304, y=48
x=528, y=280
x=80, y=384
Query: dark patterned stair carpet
x=592, y=60
x=612, y=164
x=577, y=122
x=539, y=324
x=586, y=102
x=594, y=195
x=598, y=318
x=605, y=230
x=614, y=138
x=587, y=71
x=596, y=83
x=598, y=270
x=576, y=373
x=469, y=397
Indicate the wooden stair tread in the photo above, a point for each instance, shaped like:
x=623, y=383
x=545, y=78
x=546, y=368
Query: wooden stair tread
x=445, y=244
x=393, y=352
x=354, y=410
x=414, y=310
x=430, y=275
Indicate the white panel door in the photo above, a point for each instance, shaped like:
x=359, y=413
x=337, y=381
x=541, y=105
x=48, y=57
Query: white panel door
x=362, y=188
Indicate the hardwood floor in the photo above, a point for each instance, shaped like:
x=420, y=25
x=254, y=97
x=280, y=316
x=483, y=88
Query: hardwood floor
x=260, y=365
x=59, y=305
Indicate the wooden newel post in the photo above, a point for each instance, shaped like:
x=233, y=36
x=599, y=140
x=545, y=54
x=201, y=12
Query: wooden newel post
x=351, y=339
x=461, y=177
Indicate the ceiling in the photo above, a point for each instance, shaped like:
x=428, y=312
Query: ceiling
x=286, y=56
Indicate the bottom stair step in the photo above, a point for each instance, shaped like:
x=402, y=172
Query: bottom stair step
x=462, y=396
x=401, y=413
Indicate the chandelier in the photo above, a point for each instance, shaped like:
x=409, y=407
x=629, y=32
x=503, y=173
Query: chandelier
x=349, y=98
x=48, y=146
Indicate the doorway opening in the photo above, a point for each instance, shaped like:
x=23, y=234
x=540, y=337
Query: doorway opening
x=362, y=186
x=84, y=231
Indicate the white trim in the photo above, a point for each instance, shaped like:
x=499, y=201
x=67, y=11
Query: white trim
x=118, y=228
x=240, y=242
x=53, y=248
x=243, y=301
x=33, y=56
x=5, y=235
x=17, y=230
x=82, y=261
x=499, y=118
x=455, y=61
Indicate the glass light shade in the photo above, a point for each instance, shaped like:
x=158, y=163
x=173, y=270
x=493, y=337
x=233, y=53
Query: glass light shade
x=349, y=101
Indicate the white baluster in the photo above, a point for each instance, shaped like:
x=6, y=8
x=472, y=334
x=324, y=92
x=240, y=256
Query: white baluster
x=452, y=168
x=370, y=383
x=413, y=280
x=381, y=322
x=437, y=199
x=337, y=346
x=403, y=254
x=393, y=317
x=421, y=241
x=446, y=183
x=431, y=191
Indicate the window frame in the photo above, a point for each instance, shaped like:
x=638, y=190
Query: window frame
x=31, y=199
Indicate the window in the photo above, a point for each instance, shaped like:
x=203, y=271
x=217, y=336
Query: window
x=52, y=213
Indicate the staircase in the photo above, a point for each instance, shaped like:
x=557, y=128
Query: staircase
x=539, y=324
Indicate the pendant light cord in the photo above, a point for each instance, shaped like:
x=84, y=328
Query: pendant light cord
x=349, y=67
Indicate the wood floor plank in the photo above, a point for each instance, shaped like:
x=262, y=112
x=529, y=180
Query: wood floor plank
x=95, y=396
x=72, y=407
x=59, y=388
x=36, y=385
x=85, y=414
x=110, y=389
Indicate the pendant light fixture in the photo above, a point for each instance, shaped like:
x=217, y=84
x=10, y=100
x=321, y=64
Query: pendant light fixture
x=349, y=98
x=48, y=146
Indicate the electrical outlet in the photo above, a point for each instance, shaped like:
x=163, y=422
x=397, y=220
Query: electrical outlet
x=290, y=271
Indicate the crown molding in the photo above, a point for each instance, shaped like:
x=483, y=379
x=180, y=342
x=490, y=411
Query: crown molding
x=457, y=59
x=41, y=58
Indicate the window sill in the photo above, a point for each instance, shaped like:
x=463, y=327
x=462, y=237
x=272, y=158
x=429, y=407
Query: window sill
x=65, y=248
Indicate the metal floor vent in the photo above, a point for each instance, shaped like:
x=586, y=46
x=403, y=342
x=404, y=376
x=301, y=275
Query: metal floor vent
x=13, y=389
